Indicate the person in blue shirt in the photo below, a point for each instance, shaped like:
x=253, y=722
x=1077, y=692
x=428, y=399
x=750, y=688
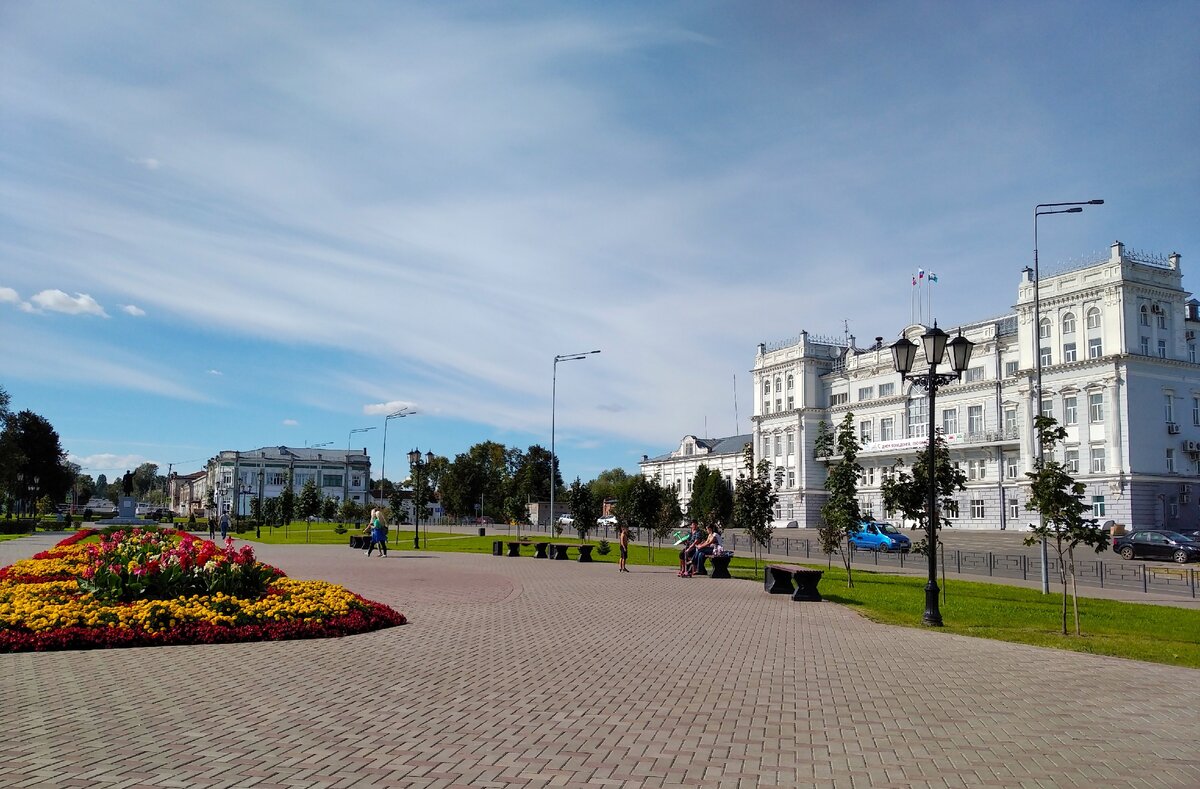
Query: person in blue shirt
x=705, y=547
x=687, y=547
x=378, y=534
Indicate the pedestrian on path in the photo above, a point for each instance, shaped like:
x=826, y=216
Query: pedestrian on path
x=224, y=525
x=623, y=543
x=212, y=527
x=378, y=534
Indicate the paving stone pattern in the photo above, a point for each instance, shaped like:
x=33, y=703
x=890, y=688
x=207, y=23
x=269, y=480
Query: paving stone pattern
x=524, y=672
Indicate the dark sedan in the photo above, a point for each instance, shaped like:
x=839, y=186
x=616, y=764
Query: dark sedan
x=1153, y=544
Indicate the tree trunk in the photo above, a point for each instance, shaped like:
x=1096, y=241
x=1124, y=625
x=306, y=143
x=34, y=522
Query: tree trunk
x=1074, y=590
x=849, y=576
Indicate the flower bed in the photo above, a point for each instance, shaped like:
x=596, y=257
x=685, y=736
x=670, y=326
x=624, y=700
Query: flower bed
x=158, y=587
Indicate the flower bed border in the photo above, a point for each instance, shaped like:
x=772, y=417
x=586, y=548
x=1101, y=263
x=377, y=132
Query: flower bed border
x=376, y=616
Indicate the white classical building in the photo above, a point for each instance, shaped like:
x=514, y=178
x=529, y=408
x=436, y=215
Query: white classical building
x=264, y=473
x=1117, y=339
x=677, y=468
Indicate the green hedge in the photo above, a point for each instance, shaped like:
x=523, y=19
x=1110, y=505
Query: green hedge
x=18, y=526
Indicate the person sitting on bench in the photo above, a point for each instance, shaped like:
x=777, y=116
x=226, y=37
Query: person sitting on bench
x=704, y=548
x=688, y=546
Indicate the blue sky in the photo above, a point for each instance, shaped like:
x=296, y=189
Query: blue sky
x=235, y=225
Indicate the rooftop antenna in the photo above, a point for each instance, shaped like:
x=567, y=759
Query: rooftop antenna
x=846, y=332
x=735, y=413
x=706, y=425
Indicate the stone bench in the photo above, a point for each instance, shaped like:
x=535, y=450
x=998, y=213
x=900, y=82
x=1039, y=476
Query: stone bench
x=778, y=579
x=720, y=564
x=360, y=541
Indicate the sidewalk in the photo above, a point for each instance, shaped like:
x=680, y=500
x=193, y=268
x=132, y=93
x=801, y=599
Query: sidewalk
x=519, y=672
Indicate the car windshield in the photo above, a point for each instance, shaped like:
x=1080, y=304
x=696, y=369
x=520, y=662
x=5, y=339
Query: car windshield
x=887, y=528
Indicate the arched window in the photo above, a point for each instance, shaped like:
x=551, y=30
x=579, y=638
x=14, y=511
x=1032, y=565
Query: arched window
x=767, y=386
x=1093, y=318
x=1068, y=323
x=1044, y=329
x=790, y=382
x=1144, y=315
x=778, y=384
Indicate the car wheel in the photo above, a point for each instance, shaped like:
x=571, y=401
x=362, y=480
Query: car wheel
x=1181, y=557
x=883, y=547
x=1127, y=552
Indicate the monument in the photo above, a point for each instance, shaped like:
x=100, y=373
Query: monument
x=126, y=507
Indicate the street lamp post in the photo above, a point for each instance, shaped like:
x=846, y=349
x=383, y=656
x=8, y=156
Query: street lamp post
x=20, y=495
x=403, y=412
x=418, y=466
x=904, y=352
x=346, y=479
x=259, y=520
x=1056, y=208
x=563, y=357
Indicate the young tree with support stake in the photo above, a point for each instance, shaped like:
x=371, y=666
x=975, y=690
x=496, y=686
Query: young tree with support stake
x=1055, y=494
x=840, y=513
x=908, y=494
x=584, y=509
x=754, y=501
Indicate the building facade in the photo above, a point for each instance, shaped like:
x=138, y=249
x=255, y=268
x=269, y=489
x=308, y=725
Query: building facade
x=677, y=468
x=1117, y=340
x=236, y=477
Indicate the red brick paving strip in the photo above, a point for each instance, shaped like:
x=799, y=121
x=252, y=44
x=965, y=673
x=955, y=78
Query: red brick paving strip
x=523, y=672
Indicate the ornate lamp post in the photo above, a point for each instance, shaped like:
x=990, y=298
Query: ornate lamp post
x=904, y=352
x=418, y=466
x=20, y=495
x=562, y=357
x=403, y=412
x=258, y=522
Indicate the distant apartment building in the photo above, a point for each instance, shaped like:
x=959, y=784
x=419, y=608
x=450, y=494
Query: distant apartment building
x=236, y=477
x=677, y=468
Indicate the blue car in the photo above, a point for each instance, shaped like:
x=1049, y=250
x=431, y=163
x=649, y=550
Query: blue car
x=875, y=536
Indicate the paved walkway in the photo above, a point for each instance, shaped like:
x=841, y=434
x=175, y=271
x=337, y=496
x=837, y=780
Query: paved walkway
x=519, y=672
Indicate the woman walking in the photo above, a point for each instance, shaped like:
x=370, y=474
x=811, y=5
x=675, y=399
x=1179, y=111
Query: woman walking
x=378, y=534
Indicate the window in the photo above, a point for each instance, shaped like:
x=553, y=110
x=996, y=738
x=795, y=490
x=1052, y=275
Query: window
x=1010, y=369
x=1196, y=410
x=1010, y=420
x=949, y=420
x=869, y=475
x=356, y=481
x=778, y=382
x=766, y=386
x=951, y=509
x=1068, y=323
x=277, y=478
x=1144, y=316
x=226, y=477
x=333, y=480
x=766, y=406
x=766, y=447
x=1095, y=348
x=976, y=508
x=791, y=478
x=864, y=432
x=887, y=390
x=778, y=404
x=790, y=382
x=976, y=469
x=1096, y=407
x=1093, y=318
x=1014, y=508
x=1169, y=406
x=841, y=398
x=1173, y=507
x=1069, y=354
x=974, y=419
x=791, y=402
x=778, y=446
x=866, y=392
x=1010, y=469
x=1071, y=461
x=791, y=443
x=1071, y=410
x=1045, y=356
x=1144, y=346
x=1047, y=407
x=1097, y=506
x=974, y=374
x=918, y=418
x=1162, y=321
x=1162, y=349
x=1044, y=329
x=1192, y=352
x=1097, y=460
x=887, y=428
x=1170, y=461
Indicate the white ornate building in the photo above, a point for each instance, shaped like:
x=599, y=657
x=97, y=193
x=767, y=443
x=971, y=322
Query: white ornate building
x=1118, y=340
x=677, y=468
x=264, y=472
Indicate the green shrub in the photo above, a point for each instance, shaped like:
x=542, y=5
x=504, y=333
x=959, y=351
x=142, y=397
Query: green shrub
x=603, y=548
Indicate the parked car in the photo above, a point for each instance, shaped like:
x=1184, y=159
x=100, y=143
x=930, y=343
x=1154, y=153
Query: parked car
x=1157, y=544
x=875, y=536
x=607, y=520
x=565, y=521
x=1192, y=534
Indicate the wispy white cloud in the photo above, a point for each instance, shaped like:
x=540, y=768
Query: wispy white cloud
x=131, y=309
x=290, y=422
x=390, y=407
x=215, y=372
x=148, y=163
x=55, y=300
x=9, y=296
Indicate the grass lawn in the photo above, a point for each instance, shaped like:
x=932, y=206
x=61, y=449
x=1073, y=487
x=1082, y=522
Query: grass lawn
x=1154, y=633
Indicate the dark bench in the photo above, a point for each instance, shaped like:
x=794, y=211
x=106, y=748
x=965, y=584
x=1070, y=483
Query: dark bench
x=778, y=578
x=514, y=547
x=720, y=564
x=360, y=541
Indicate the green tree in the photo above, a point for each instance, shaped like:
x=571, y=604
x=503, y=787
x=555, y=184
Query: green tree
x=754, y=501
x=396, y=504
x=711, y=503
x=145, y=479
x=287, y=500
x=823, y=443
x=462, y=485
x=1055, y=494
x=271, y=514
x=584, y=507
x=908, y=493
x=329, y=508
x=30, y=446
x=608, y=484
x=310, y=499
x=840, y=514
x=531, y=479
x=256, y=509
x=643, y=505
x=350, y=511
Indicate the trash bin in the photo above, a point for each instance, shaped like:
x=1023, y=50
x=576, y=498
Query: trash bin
x=482, y=531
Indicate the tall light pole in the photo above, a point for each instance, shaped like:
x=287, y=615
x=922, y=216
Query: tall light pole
x=563, y=357
x=904, y=352
x=1056, y=208
x=403, y=412
x=346, y=479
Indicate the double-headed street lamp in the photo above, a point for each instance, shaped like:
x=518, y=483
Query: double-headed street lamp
x=904, y=352
x=403, y=412
x=418, y=467
x=346, y=479
x=563, y=357
x=1055, y=208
